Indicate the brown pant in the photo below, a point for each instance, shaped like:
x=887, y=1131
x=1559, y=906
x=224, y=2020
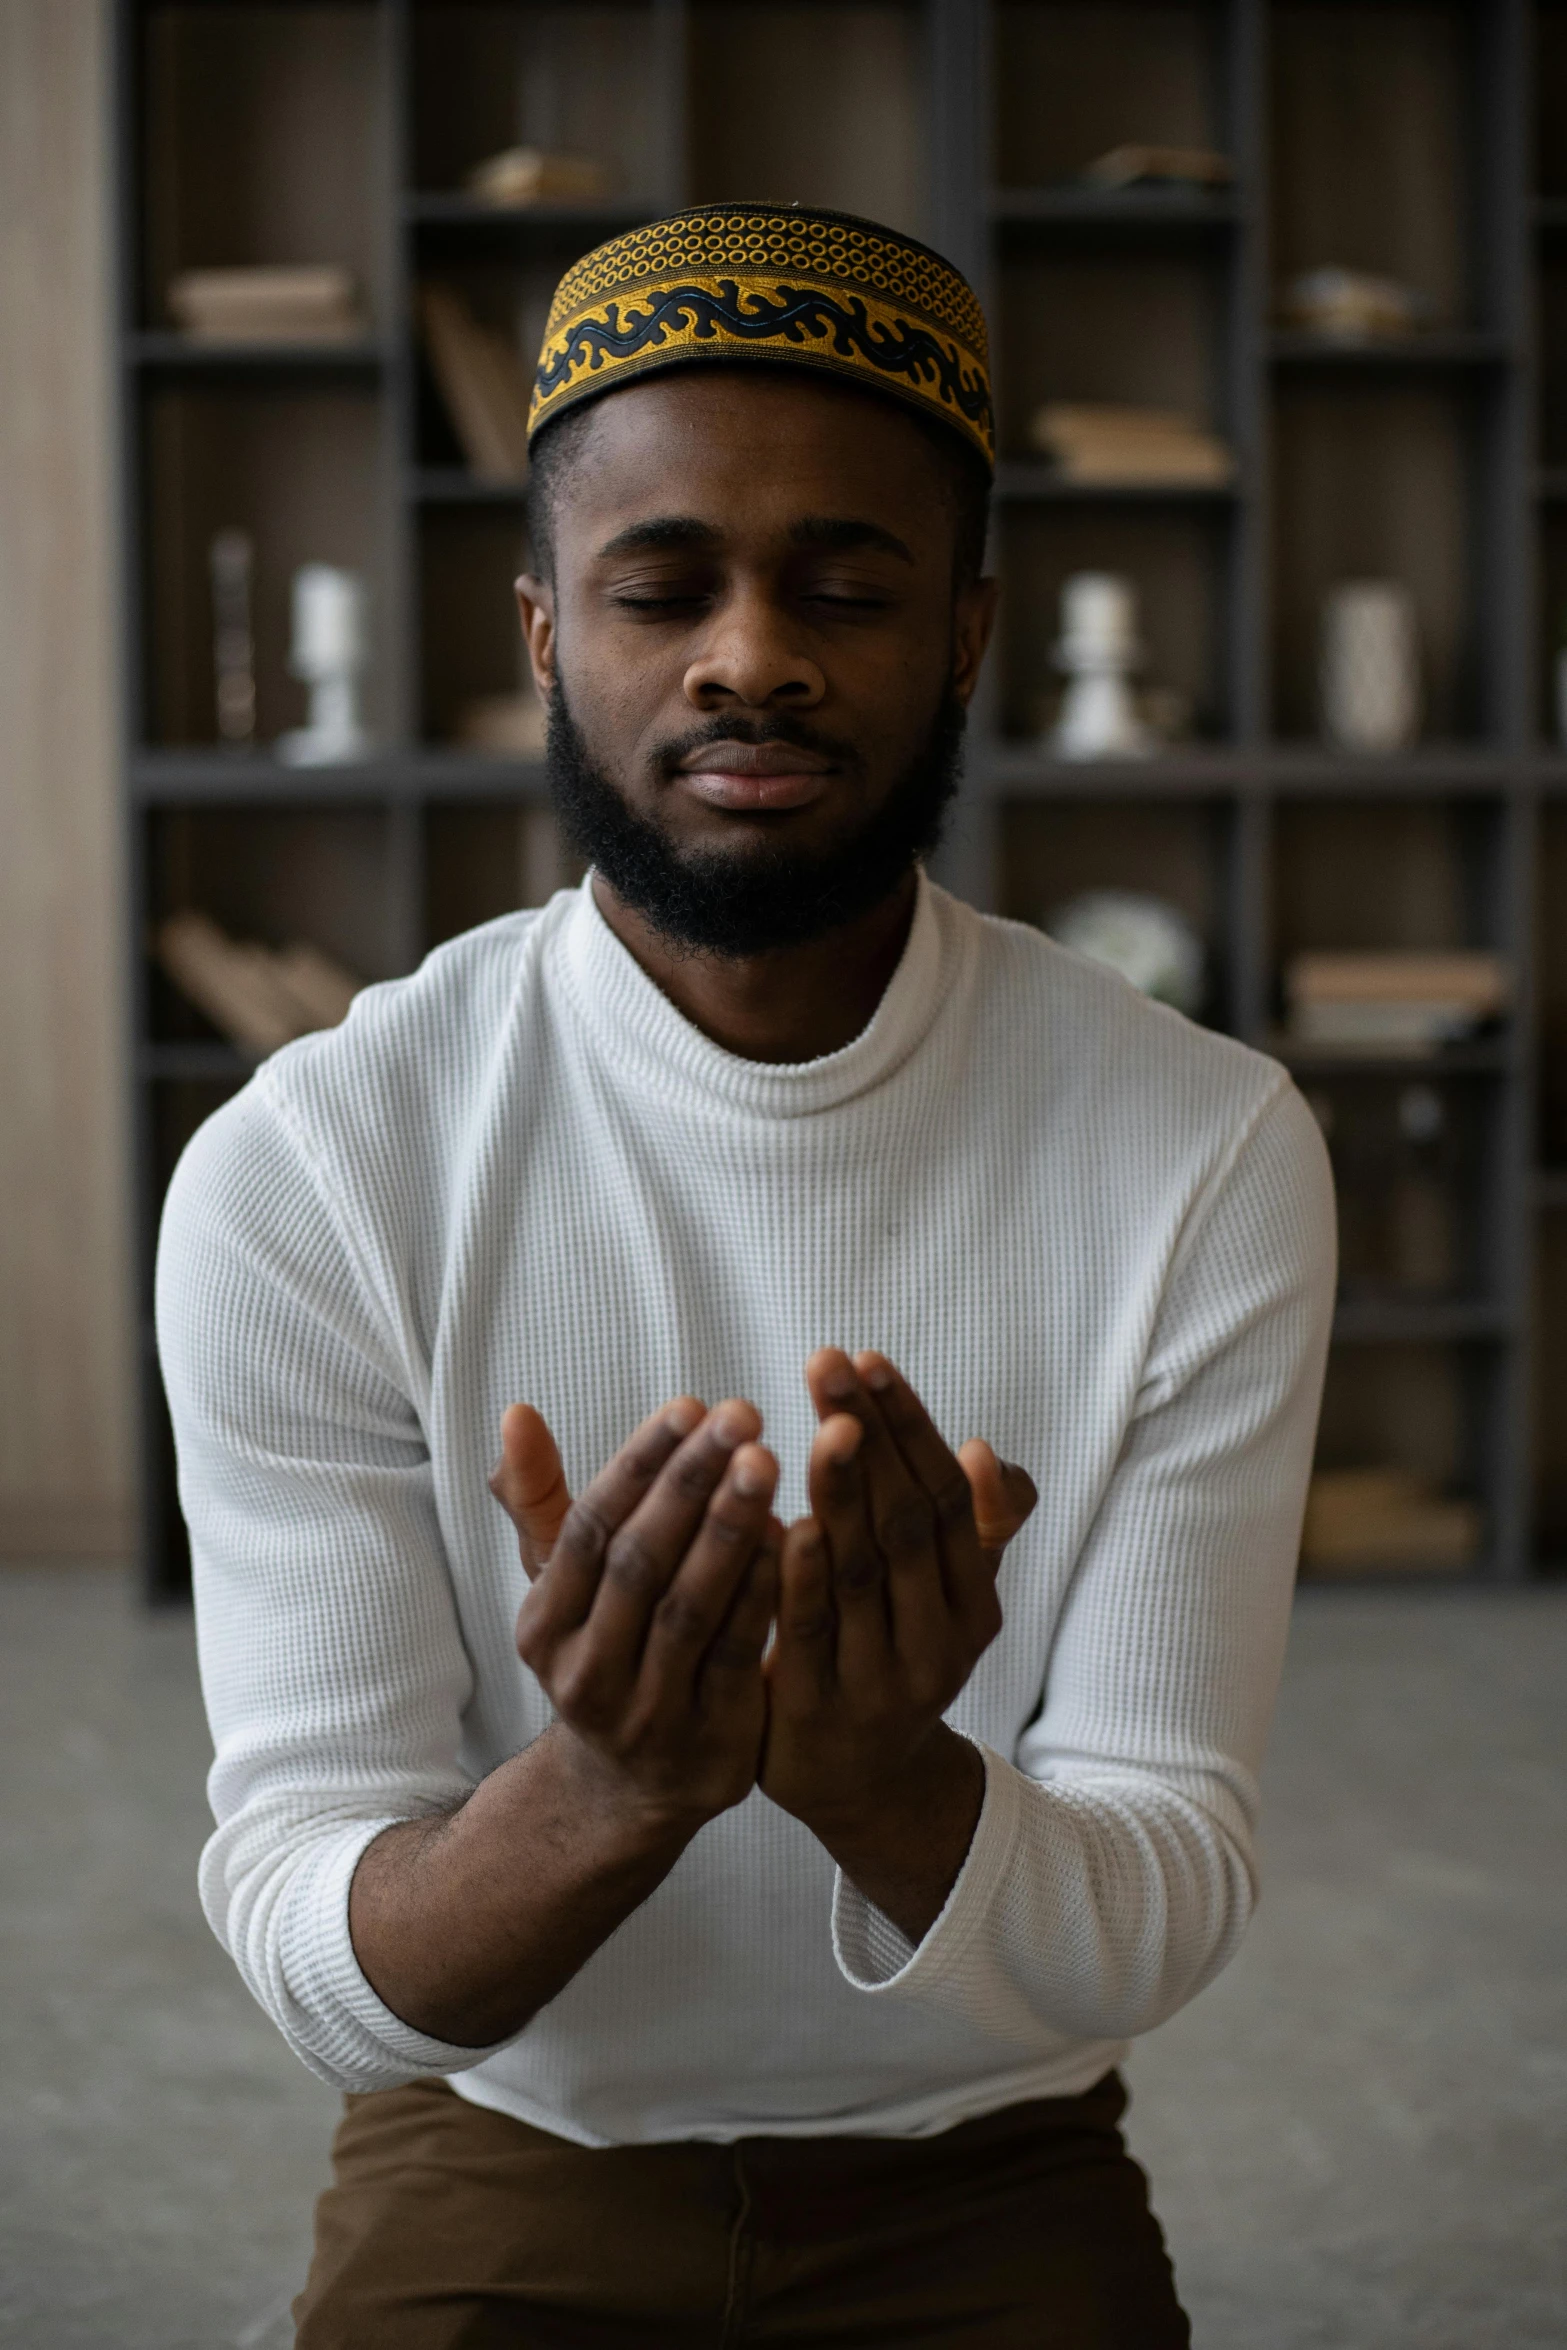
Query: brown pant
x=452, y=2228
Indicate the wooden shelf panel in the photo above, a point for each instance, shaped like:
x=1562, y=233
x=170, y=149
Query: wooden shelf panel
x=449, y=485
x=156, y=353
x=1419, y=1322
x=452, y=210
x=1143, y=213
x=1416, y=354
x=1023, y=480
x=254, y=779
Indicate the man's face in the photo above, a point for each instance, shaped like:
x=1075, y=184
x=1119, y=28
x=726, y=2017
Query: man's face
x=752, y=626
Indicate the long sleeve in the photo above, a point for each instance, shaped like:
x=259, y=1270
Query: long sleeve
x=1112, y=1872
x=332, y=1664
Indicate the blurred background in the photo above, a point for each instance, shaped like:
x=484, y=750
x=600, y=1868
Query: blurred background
x=1276, y=722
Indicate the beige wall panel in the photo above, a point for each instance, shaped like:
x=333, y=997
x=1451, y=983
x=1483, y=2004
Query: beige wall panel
x=65, y=1350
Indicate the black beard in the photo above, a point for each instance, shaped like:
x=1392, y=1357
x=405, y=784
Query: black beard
x=739, y=902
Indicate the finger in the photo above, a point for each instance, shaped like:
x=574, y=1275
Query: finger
x=530, y=1484
x=968, y=1574
x=735, y=1653
x=840, y=1505
x=563, y=1594
x=645, y=1553
x=1005, y=1496
x=903, y=1514
x=804, y=1659
x=688, y=1624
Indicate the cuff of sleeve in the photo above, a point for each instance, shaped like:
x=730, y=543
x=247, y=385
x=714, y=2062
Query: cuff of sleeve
x=873, y=1955
x=321, y=1974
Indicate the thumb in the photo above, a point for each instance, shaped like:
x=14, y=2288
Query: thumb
x=530, y=1484
x=1004, y=1495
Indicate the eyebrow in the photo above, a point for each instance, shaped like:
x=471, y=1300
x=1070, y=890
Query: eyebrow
x=684, y=533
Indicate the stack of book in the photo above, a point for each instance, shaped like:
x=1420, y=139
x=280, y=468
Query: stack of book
x=315, y=305
x=1095, y=441
x=521, y=176
x=1368, y=1521
x=1393, y=1002
x=258, y=996
x=483, y=383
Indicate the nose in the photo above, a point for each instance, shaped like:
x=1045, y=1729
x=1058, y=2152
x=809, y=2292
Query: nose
x=752, y=659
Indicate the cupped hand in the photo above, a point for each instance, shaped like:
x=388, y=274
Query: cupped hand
x=651, y=1598
x=887, y=1600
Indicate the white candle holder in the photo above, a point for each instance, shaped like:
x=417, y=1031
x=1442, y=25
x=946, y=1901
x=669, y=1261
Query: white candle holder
x=331, y=652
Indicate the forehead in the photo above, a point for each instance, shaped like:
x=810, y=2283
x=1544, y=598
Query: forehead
x=748, y=449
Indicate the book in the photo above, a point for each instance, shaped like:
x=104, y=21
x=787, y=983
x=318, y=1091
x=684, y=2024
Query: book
x=259, y=998
x=483, y=383
x=509, y=726
x=267, y=305
x=1135, y=166
x=1101, y=442
x=520, y=176
x=1376, y=1519
x=1393, y=1002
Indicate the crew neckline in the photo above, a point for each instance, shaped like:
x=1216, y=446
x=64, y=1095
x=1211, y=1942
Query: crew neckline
x=633, y=1020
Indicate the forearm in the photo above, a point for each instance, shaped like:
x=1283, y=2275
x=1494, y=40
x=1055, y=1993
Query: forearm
x=468, y=1924
x=903, y=1845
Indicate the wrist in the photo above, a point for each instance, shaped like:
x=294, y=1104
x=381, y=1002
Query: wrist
x=627, y=1821
x=942, y=1776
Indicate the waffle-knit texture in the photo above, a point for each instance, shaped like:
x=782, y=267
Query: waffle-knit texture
x=1086, y=1229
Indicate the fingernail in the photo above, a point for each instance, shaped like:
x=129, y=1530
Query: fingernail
x=750, y=1478
x=730, y=1426
x=839, y=1384
x=681, y=1418
x=847, y=1441
x=877, y=1374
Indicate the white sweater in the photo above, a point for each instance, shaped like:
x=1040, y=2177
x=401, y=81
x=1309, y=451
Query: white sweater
x=1086, y=1229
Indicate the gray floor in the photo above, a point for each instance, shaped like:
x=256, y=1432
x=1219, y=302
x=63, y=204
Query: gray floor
x=1357, y=2138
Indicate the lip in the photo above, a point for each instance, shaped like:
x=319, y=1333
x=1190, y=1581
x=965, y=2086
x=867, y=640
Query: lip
x=748, y=776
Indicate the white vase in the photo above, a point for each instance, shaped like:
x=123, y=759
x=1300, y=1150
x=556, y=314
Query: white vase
x=1370, y=666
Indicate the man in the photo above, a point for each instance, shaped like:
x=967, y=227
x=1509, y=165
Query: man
x=727, y=1897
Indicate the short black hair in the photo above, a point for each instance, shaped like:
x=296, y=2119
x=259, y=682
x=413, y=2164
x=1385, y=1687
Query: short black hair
x=556, y=448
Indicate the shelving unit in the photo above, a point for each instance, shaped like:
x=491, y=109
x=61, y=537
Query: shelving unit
x=1427, y=141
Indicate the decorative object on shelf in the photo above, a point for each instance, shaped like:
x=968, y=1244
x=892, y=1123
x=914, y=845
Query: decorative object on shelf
x=1393, y=1002
x=508, y=726
x=482, y=381
x=1376, y=1520
x=1351, y=306
x=1099, y=651
x=265, y=305
x=1369, y=674
x=1422, y=1202
x=330, y=652
x=1163, y=167
x=1099, y=442
x=259, y=997
x=1148, y=941
x=231, y=564
x=520, y=176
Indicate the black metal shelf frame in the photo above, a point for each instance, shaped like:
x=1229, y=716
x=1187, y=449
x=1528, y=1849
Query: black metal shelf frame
x=1248, y=781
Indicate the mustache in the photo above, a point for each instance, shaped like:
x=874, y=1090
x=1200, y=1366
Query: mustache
x=667, y=757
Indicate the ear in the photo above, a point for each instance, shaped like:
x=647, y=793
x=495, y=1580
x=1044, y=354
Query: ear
x=974, y=619
x=536, y=610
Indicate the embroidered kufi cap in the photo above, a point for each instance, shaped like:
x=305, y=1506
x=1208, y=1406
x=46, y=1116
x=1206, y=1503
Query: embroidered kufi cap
x=793, y=288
